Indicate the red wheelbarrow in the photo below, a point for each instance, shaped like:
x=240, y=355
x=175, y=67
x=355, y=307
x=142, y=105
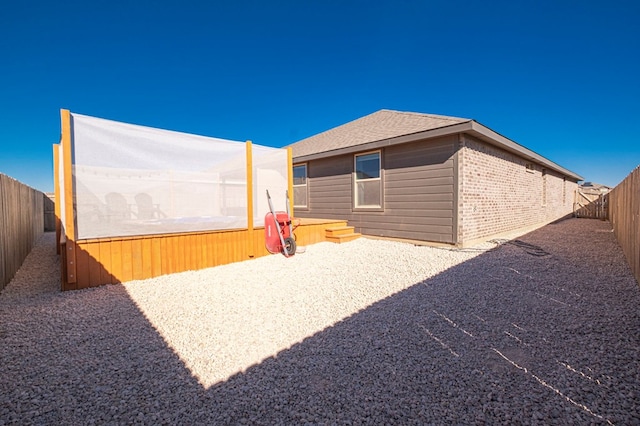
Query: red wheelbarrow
x=278, y=230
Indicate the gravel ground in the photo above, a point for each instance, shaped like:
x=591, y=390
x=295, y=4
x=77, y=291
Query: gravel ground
x=538, y=330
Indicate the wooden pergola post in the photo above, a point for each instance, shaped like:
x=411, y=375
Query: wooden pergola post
x=290, y=179
x=69, y=225
x=249, y=165
x=56, y=191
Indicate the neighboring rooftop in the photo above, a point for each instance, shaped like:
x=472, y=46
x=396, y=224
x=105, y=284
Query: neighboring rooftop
x=387, y=127
x=597, y=187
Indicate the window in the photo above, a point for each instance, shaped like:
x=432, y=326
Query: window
x=367, y=182
x=300, y=186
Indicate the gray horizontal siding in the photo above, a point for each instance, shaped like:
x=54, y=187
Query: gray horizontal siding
x=424, y=206
x=404, y=197
x=441, y=236
x=415, y=187
x=418, y=192
x=411, y=176
x=376, y=221
x=330, y=188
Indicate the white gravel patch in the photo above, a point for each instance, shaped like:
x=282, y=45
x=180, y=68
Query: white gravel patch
x=540, y=330
x=222, y=320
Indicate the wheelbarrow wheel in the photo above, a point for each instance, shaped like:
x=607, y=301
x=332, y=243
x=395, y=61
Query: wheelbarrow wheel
x=290, y=246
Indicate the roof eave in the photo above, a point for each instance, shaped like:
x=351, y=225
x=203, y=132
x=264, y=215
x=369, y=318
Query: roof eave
x=470, y=127
x=369, y=146
x=487, y=135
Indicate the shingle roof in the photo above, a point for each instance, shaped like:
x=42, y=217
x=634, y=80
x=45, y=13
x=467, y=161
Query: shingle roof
x=380, y=125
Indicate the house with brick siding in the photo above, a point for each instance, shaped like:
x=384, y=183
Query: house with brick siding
x=427, y=177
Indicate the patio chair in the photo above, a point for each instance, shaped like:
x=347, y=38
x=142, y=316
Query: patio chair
x=146, y=210
x=117, y=207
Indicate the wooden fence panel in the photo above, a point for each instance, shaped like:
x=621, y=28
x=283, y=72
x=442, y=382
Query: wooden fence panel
x=591, y=204
x=4, y=236
x=25, y=211
x=21, y=224
x=49, y=213
x=624, y=213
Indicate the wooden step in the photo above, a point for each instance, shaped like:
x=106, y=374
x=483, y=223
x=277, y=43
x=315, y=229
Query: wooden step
x=334, y=231
x=344, y=238
x=341, y=234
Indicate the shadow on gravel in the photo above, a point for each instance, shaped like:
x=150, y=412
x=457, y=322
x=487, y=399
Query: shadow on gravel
x=543, y=330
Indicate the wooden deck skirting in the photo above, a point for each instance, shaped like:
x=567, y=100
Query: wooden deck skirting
x=115, y=260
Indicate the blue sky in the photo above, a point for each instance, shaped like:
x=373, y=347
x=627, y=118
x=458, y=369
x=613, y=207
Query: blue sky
x=559, y=77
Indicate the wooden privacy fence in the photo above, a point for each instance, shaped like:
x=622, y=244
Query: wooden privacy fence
x=591, y=203
x=21, y=224
x=49, y=213
x=624, y=214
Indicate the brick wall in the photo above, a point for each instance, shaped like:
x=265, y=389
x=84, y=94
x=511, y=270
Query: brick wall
x=501, y=192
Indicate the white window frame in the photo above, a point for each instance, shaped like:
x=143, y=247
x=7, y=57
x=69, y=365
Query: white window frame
x=355, y=181
x=305, y=185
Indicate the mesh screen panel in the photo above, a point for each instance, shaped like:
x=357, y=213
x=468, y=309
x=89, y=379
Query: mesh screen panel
x=135, y=180
x=270, y=172
x=60, y=171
